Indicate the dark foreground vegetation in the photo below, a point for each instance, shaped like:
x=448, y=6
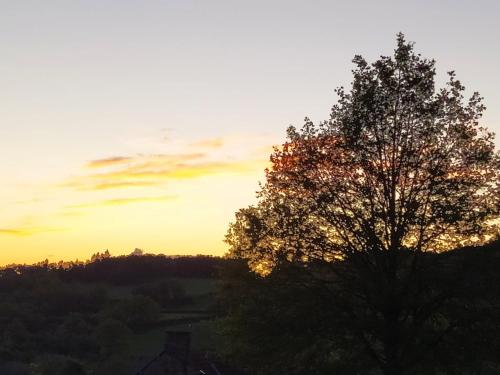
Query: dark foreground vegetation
x=107, y=316
x=292, y=323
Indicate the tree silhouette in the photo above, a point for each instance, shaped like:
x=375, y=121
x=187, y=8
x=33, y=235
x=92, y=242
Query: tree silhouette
x=399, y=170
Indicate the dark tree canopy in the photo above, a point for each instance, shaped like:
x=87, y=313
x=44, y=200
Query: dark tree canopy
x=399, y=170
x=398, y=165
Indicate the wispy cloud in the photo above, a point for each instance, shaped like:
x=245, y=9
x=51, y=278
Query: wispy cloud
x=114, y=160
x=27, y=231
x=151, y=170
x=209, y=143
x=125, y=201
x=87, y=183
x=14, y=232
x=122, y=201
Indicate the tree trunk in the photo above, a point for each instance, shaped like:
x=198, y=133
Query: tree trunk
x=391, y=323
x=391, y=349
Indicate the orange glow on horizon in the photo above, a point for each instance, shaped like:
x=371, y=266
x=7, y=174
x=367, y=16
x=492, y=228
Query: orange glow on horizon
x=179, y=203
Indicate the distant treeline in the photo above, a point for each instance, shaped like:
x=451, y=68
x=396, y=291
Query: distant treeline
x=84, y=318
x=120, y=270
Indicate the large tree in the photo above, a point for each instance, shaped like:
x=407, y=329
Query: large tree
x=357, y=202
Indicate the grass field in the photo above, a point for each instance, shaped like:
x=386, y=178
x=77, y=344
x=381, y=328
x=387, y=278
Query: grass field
x=195, y=317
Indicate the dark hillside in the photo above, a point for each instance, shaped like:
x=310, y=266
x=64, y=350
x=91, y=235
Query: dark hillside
x=105, y=316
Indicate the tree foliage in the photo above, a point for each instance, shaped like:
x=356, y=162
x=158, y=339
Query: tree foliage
x=399, y=170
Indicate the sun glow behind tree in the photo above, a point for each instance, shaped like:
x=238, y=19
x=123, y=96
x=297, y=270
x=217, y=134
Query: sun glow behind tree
x=399, y=165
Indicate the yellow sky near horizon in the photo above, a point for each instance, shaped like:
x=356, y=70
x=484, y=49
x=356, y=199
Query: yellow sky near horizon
x=179, y=202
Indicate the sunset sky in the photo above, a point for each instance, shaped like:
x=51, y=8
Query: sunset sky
x=147, y=124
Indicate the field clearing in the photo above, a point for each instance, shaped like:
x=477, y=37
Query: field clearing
x=151, y=342
x=195, y=317
x=194, y=287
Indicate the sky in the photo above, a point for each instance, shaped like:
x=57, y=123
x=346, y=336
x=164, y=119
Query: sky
x=147, y=124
